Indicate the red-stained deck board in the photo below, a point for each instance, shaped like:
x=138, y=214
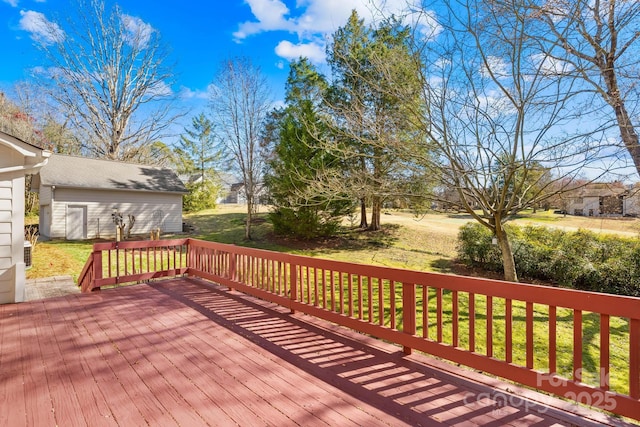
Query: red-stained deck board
x=86, y=373
x=150, y=344
x=298, y=403
x=151, y=367
x=39, y=354
x=184, y=352
x=97, y=355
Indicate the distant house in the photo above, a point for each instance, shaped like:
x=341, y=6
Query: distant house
x=17, y=159
x=598, y=199
x=236, y=194
x=632, y=201
x=79, y=195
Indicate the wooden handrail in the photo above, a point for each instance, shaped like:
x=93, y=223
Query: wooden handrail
x=457, y=318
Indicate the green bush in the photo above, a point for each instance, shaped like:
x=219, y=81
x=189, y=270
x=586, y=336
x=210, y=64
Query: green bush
x=202, y=195
x=581, y=260
x=304, y=223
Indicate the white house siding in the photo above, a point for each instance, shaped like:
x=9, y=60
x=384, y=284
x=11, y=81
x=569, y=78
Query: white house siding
x=151, y=210
x=591, y=206
x=12, y=268
x=631, y=203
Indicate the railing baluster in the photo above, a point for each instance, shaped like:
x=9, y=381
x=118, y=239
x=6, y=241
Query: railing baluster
x=439, y=314
x=604, y=351
x=472, y=322
x=553, y=346
x=360, y=296
x=350, y=293
x=324, y=288
x=316, y=295
x=370, y=302
x=577, y=345
x=508, y=330
x=392, y=302
x=529, y=335
x=333, y=290
x=425, y=312
x=454, y=320
x=341, y=286
x=380, y=301
x=634, y=358
x=489, y=341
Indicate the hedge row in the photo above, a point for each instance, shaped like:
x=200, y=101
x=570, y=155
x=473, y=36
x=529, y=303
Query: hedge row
x=580, y=260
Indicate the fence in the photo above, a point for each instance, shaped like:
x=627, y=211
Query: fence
x=580, y=345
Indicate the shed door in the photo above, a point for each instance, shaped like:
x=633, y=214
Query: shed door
x=76, y=222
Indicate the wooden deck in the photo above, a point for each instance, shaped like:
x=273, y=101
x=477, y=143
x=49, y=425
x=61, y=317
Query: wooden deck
x=185, y=352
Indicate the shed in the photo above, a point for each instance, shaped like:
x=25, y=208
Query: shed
x=78, y=197
x=17, y=160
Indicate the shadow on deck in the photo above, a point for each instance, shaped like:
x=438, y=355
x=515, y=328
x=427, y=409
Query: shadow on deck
x=186, y=352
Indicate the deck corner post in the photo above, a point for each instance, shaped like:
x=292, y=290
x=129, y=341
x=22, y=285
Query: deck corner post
x=97, y=267
x=408, y=312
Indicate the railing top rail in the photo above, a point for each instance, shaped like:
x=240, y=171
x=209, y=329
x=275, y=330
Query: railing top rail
x=138, y=244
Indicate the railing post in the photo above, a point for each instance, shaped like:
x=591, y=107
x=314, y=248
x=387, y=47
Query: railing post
x=232, y=267
x=293, y=285
x=97, y=269
x=408, y=311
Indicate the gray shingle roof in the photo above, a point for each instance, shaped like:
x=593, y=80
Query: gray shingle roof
x=80, y=172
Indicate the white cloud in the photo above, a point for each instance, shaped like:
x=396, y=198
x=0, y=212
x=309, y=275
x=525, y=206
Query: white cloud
x=550, y=66
x=287, y=50
x=312, y=20
x=138, y=32
x=188, y=93
x=13, y=3
x=42, y=30
x=495, y=66
x=160, y=89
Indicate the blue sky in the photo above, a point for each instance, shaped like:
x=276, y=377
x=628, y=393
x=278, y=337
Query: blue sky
x=200, y=34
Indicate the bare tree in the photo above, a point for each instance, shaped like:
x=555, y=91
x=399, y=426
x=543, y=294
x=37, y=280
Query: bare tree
x=240, y=103
x=497, y=117
x=17, y=122
x=598, y=41
x=108, y=76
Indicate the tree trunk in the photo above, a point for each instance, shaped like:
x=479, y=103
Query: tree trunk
x=627, y=130
x=247, y=227
x=508, y=261
x=363, y=213
x=376, y=210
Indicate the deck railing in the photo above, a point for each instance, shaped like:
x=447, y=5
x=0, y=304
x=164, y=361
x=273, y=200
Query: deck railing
x=515, y=331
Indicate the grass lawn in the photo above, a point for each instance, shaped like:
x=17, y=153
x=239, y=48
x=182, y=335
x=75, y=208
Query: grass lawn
x=427, y=243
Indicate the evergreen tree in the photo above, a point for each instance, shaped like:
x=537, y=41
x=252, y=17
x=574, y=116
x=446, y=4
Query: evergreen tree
x=196, y=157
x=375, y=83
x=296, y=161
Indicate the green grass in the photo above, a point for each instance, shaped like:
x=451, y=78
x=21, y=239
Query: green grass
x=59, y=258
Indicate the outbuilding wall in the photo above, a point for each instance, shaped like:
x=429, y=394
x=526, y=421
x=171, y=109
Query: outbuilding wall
x=151, y=210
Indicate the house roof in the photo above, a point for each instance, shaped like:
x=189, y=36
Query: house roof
x=33, y=156
x=602, y=189
x=80, y=172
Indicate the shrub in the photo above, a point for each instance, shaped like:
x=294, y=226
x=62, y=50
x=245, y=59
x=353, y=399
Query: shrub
x=476, y=248
x=304, y=223
x=202, y=195
x=581, y=260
